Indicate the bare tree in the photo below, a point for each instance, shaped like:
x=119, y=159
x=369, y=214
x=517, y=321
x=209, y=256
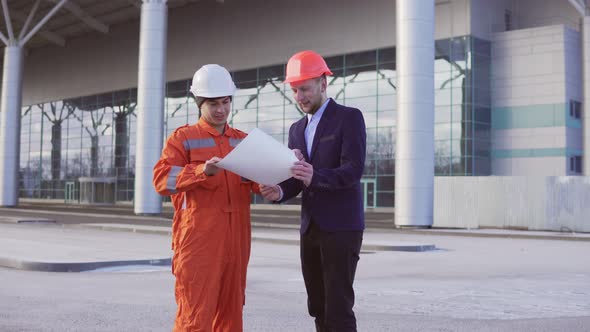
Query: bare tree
x=96, y=129
x=56, y=115
x=122, y=113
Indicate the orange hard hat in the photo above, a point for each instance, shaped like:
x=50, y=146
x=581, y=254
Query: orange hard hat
x=305, y=65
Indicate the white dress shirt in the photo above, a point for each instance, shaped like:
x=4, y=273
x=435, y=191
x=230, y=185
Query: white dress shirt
x=312, y=124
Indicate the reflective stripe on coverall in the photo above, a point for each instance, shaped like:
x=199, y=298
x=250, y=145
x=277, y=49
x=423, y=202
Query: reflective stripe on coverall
x=211, y=228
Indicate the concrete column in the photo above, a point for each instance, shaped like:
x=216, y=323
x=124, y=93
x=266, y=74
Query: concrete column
x=150, y=103
x=414, y=156
x=586, y=101
x=10, y=109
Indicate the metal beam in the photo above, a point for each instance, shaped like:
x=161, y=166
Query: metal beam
x=580, y=6
x=28, y=21
x=48, y=35
x=85, y=17
x=135, y=3
x=3, y=38
x=7, y=20
x=42, y=22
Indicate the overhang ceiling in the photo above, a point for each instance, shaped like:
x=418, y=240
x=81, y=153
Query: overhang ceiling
x=74, y=18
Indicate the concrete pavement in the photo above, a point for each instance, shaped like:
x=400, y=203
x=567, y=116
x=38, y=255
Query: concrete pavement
x=59, y=238
x=41, y=246
x=467, y=284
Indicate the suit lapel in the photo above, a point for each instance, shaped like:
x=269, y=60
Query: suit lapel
x=324, y=122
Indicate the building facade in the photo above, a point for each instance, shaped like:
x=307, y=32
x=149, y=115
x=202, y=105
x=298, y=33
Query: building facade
x=508, y=88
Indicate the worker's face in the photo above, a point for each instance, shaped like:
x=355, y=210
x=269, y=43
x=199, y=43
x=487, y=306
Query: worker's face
x=215, y=111
x=308, y=94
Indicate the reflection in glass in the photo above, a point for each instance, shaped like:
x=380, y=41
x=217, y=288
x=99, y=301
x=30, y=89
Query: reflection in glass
x=95, y=135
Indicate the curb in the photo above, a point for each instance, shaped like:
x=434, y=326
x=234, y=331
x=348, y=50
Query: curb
x=367, y=247
x=76, y=266
x=364, y=247
x=498, y=236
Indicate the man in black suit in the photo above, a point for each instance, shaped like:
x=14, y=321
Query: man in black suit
x=330, y=142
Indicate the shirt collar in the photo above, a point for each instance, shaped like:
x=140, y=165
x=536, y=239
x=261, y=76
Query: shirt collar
x=319, y=113
x=227, y=132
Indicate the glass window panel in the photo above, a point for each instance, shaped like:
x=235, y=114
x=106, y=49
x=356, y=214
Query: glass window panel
x=336, y=79
x=482, y=148
x=385, y=143
x=365, y=104
x=480, y=46
x=459, y=48
x=242, y=77
x=385, y=199
x=387, y=54
x=121, y=96
x=443, y=97
x=361, y=89
x=275, y=72
x=274, y=98
x=387, y=102
x=361, y=58
x=364, y=73
x=292, y=113
x=370, y=167
x=442, y=157
x=177, y=108
x=387, y=67
x=177, y=88
x=444, y=79
x=442, y=114
x=387, y=81
x=441, y=66
x=281, y=137
x=335, y=62
x=482, y=97
x=442, y=48
x=336, y=91
x=104, y=99
x=270, y=113
x=245, y=126
x=442, y=131
x=385, y=167
x=482, y=166
x=242, y=115
x=457, y=167
x=458, y=130
x=272, y=126
x=192, y=111
x=244, y=108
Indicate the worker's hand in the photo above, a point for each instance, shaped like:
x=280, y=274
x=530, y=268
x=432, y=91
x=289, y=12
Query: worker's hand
x=298, y=154
x=271, y=193
x=210, y=167
x=303, y=171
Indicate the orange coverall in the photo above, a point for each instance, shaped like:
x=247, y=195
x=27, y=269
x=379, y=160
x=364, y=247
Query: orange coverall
x=211, y=228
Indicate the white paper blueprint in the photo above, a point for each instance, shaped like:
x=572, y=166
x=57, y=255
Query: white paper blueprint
x=260, y=158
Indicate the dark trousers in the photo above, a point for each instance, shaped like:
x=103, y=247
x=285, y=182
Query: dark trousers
x=328, y=262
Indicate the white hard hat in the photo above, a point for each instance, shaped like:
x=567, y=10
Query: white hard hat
x=212, y=81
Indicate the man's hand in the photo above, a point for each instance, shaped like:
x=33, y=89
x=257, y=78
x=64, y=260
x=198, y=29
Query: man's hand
x=298, y=154
x=303, y=171
x=271, y=193
x=210, y=167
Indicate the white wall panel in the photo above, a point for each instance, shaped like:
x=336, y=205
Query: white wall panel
x=532, y=202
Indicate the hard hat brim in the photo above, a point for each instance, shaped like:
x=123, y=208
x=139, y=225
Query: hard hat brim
x=307, y=77
x=214, y=94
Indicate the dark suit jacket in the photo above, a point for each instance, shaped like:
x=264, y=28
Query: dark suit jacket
x=334, y=199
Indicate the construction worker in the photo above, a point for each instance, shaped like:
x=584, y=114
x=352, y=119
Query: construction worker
x=211, y=227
